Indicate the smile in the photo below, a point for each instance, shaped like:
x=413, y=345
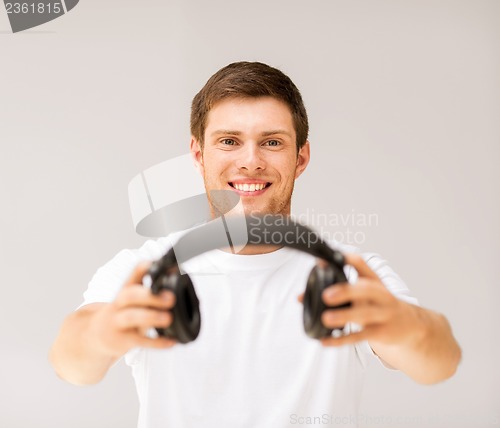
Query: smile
x=250, y=188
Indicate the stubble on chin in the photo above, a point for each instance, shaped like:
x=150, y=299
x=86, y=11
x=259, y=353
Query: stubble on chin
x=226, y=202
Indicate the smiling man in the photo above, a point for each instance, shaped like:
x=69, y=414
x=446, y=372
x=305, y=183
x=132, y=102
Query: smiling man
x=249, y=134
x=252, y=364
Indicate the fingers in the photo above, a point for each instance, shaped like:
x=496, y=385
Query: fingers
x=364, y=290
x=135, y=339
x=142, y=318
x=361, y=314
x=371, y=303
x=346, y=339
x=138, y=296
x=158, y=343
x=124, y=323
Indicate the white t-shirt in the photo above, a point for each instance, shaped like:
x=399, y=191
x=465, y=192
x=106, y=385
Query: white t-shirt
x=252, y=364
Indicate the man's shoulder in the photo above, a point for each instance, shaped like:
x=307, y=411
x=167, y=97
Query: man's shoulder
x=152, y=249
x=155, y=248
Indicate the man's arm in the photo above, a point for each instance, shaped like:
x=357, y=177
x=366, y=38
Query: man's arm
x=417, y=341
x=94, y=337
x=428, y=357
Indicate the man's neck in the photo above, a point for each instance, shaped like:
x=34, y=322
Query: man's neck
x=251, y=250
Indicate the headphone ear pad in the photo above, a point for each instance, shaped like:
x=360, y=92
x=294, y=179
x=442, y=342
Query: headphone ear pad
x=186, y=321
x=319, y=279
x=186, y=312
x=313, y=303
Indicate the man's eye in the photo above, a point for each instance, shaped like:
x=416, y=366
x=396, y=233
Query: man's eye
x=273, y=143
x=228, y=142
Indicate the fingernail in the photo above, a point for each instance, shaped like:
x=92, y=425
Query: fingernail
x=324, y=318
x=167, y=296
x=329, y=293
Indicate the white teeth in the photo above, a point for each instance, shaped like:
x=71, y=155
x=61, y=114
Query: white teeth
x=249, y=187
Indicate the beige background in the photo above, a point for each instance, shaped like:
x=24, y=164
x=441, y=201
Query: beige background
x=404, y=101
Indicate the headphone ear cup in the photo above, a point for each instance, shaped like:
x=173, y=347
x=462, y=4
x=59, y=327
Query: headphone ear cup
x=313, y=303
x=186, y=321
x=319, y=279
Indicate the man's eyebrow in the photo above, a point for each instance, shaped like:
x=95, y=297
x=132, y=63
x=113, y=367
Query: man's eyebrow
x=225, y=132
x=275, y=132
x=264, y=134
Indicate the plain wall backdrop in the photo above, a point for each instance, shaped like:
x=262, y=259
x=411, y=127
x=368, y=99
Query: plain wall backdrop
x=404, y=106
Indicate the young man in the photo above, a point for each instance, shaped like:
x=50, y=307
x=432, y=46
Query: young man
x=252, y=364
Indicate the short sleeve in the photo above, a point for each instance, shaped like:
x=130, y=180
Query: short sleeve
x=108, y=279
x=389, y=278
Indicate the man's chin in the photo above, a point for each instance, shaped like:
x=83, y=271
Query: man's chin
x=240, y=210
x=245, y=208
x=260, y=211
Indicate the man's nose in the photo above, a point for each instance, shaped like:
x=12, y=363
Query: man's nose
x=251, y=158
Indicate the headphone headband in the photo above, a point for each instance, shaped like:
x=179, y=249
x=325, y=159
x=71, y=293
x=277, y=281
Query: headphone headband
x=238, y=231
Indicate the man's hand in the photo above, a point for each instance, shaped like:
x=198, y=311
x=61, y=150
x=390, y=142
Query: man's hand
x=415, y=340
x=92, y=338
x=384, y=318
x=122, y=325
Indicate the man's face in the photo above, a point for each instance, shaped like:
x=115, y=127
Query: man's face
x=250, y=149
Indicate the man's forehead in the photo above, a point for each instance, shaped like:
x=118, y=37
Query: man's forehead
x=268, y=115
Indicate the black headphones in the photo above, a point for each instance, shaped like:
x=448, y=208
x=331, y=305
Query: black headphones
x=240, y=231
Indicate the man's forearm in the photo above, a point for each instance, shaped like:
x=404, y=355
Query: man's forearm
x=73, y=355
x=429, y=354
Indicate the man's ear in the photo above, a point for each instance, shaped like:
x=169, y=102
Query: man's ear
x=303, y=158
x=197, y=154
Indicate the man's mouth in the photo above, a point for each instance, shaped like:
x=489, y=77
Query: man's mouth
x=250, y=188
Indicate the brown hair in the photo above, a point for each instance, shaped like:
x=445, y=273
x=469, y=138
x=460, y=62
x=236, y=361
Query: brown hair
x=248, y=80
